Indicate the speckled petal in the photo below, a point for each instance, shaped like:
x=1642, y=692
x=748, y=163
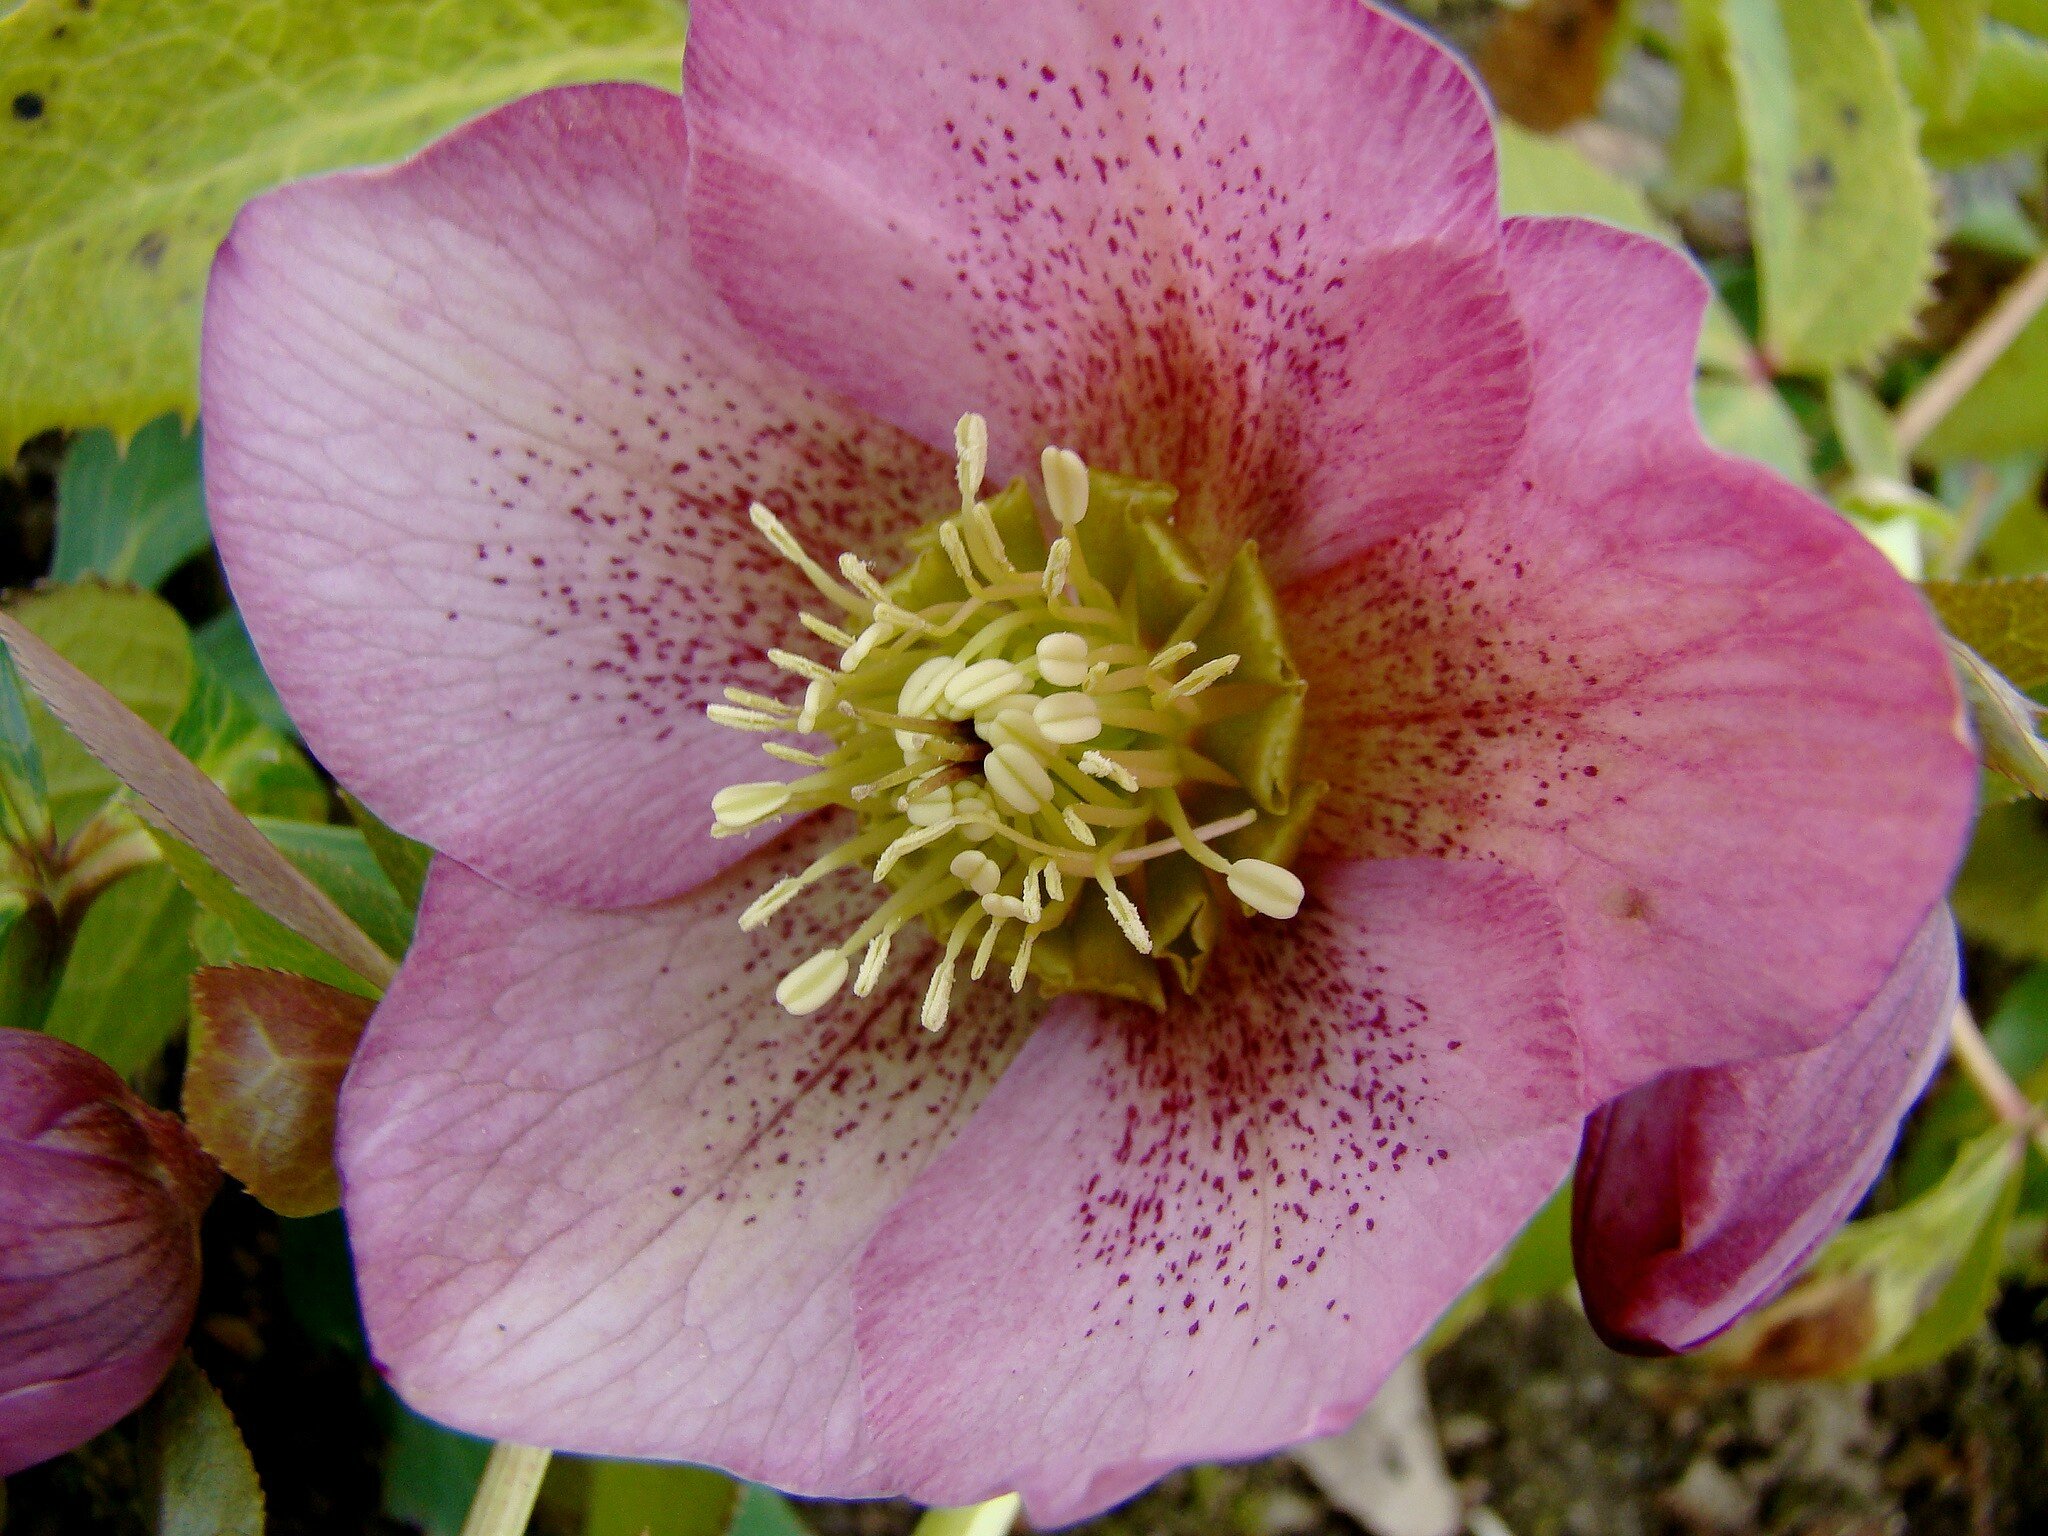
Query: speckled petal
x=479, y=446
x=605, y=1195
x=1251, y=250
x=1691, y=699
x=1205, y=1234
x=100, y=1199
x=1698, y=1195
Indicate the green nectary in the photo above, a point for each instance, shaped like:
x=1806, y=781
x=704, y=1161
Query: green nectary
x=1067, y=755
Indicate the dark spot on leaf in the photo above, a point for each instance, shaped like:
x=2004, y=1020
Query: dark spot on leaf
x=1852, y=115
x=149, y=251
x=28, y=106
x=1813, y=181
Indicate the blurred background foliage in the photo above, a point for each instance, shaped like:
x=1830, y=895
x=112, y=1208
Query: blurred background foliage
x=1864, y=183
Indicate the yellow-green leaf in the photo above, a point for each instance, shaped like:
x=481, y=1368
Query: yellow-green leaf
x=201, y=1480
x=2007, y=721
x=130, y=642
x=1894, y=1291
x=2004, y=110
x=2006, y=411
x=135, y=130
x=1842, y=207
x=1953, y=31
x=2005, y=622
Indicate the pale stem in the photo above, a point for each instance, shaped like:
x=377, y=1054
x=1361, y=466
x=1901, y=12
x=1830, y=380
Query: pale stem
x=991, y=1519
x=1937, y=396
x=504, y=1499
x=2001, y=1093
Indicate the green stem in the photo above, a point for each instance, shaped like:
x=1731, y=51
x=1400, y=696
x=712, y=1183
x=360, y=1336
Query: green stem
x=1959, y=372
x=504, y=1499
x=991, y=1519
x=1989, y=1077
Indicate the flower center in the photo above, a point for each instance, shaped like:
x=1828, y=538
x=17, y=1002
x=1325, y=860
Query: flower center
x=1068, y=758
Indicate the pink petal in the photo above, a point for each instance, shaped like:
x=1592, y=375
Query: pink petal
x=1691, y=699
x=479, y=449
x=605, y=1194
x=1700, y=1193
x=1208, y=1233
x=1248, y=249
x=100, y=1199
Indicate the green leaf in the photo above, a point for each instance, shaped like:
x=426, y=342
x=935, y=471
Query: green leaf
x=2028, y=15
x=20, y=759
x=2001, y=895
x=2005, y=110
x=257, y=767
x=764, y=1512
x=1953, y=31
x=244, y=934
x=123, y=994
x=1865, y=429
x=403, y=861
x=188, y=806
x=1842, y=208
x=1955, y=1111
x=638, y=1498
x=132, y=644
x=2007, y=722
x=202, y=1482
x=2005, y=622
x=133, y=517
x=430, y=1472
x=2006, y=411
x=339, y=860
x=31, y=955
x=1539, y=1261
x=1897, y=1291
x=152, y=121
x=1752, y=419
x=224, y=647
x=1975, y=1202
x=1706, y=148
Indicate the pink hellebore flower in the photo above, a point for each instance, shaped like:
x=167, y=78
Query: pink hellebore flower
x=100, y=1199
x=1532, y=752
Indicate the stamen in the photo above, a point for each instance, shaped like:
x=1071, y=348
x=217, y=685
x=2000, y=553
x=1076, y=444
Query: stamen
x=831, y=634
x=739, y=806
x=785, y=544
x=1057, y=560
x=744, y=719
x=1125, y=911
x=1266, y=888
x=970, y=442
x=1208, y=672
x=1066, y=485
x=976, y=687
x=993, y=740
x=811, y=985
x=765, y=703
x=1063, y=659
x=1096, y=766
x=802, y=666
x=818, y=698
x=956, y=552
x=872, y=962
x=1018, y=778
x=1068, y=718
